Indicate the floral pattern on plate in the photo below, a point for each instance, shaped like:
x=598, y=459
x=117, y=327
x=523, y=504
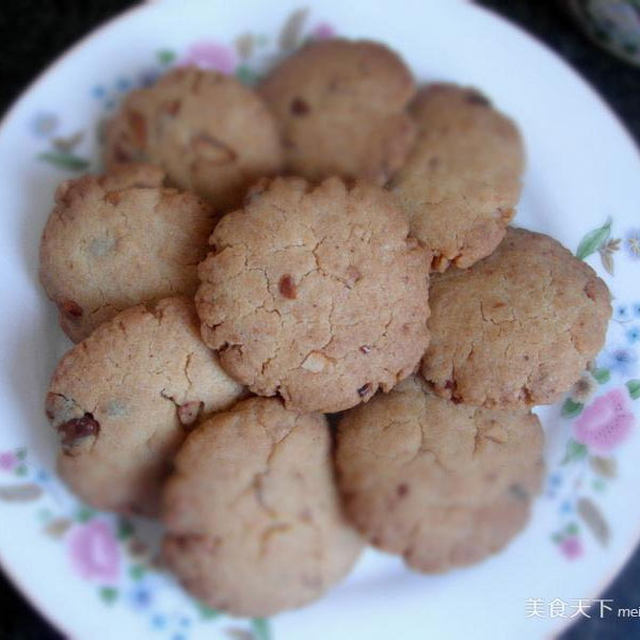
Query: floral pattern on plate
x=600, y=410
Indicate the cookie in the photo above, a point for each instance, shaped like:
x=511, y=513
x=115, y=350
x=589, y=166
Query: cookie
x=254, y=524
x=461, y=181
x=210, y=133
x=340, y=106
x=516, y=328
x=119, y=239
x=441, y=484
x=123, y=401
x=315, y=293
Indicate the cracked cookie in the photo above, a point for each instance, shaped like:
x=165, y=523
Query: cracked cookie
x=254, y=524
x=315, y=293
x=120, y=239
x=340, y=106
x=441, y=484
x=516, y=328
x=461, y=181
x=209, y=132
x=123, y=401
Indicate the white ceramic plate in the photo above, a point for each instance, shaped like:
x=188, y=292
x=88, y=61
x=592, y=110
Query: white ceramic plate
x=92, y=574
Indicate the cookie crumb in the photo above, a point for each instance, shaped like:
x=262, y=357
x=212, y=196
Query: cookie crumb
x=77, y=429
x=71, y=308
x=287, y=287
x=364, y=390
x=299, y=107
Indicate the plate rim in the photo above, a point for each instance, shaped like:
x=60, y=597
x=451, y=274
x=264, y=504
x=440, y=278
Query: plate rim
x=31, y=596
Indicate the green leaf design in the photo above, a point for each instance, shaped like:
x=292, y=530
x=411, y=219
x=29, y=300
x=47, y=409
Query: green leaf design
x=557, y=537
x=108, y=595
x=165, y=56
x=592, y=241
x=571, y=409
x=572, y=529
x=261, y=630
x=246, y=75
x=84, y=514
x=594, y=520
x=125, y=529
x=136, y=572
x=634, y=389
x=64, y=160
x=598, y=484
x=575, y=451
x=21, y=453
x=206, y=612
x=21, y=470
x=601, y=375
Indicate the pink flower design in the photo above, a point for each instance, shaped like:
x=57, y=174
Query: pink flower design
x=323, y=31
x=94, y=551
x=8, y=460
x=571, y=547
x=605, y=423
x=209, y=55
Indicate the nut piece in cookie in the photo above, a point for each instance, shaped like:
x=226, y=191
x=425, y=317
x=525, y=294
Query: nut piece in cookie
x=123, y=401
x=254, y=524
x=461, y=181
x=441, y=484
x=315, y=293
x=516, y=328
x=120, y=239
x=340, y=106
x=209, y=132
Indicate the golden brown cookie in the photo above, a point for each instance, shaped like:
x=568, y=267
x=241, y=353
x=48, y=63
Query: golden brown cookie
x=254, y=524
x=120, y=239
x=123, y=401
x=441, y=484
x=209, y=132
x=315, y=293
x=340, y=106
x=461, y=181
x=516, y=328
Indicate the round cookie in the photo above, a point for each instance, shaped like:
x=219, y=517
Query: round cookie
x=516, y=328
x=461, y=181
x=123, y=401
x=120, y=239
x=209, y=132
x=441, y=484
x=315, y=293
x=340, y=106
x=254, y=524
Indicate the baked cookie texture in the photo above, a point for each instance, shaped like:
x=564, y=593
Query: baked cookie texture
x=340, y=106
x=461, y=181
x=441, y=484
x=119, y=239
x=254, y=524
x=315, y=293
x=123, y=400
x=516, y=328
x=209, y=132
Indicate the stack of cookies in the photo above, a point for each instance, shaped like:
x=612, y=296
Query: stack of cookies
x=334, y=241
